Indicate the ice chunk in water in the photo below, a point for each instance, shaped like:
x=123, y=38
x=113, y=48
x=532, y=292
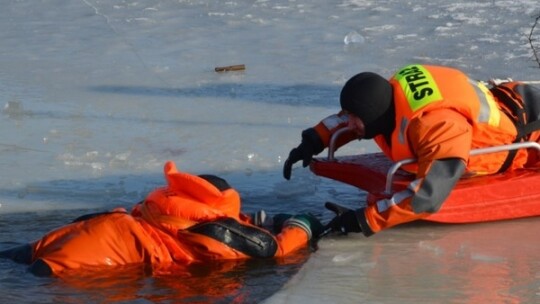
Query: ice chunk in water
x=353, y=38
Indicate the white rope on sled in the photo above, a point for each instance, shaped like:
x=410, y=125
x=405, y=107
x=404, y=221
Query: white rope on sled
x=497, y=81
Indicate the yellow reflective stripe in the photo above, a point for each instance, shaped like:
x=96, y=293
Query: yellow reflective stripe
x=489, y=113
x=418, y=86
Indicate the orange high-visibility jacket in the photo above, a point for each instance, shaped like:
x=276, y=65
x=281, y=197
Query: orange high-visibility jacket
x=187, y=221
x=440, y=115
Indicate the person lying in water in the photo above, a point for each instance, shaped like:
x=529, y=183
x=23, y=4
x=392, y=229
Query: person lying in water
x=191, y=219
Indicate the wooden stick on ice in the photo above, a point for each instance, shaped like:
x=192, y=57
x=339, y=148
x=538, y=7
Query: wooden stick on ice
x=238, y=67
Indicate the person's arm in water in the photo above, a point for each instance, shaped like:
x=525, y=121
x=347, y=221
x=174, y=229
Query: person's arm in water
x=228, y=238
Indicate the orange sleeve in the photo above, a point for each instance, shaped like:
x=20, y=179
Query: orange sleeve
x=290, y=239
x=436, y=138
x=387, y=213
x=439, y=134
x=329, y=125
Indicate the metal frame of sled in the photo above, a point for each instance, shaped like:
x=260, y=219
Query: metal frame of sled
x=507, y=195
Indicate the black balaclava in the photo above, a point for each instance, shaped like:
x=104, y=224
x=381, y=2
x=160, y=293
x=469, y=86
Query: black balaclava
x=216, y=181
x=369, y=96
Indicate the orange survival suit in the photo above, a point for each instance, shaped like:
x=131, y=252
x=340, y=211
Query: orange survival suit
x=188, y=221
x=440, y=115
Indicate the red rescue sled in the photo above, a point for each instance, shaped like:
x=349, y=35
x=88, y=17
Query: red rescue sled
x=507, y=195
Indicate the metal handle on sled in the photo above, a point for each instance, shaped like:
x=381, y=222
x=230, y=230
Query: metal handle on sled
x=394, y=168
x=333, y=139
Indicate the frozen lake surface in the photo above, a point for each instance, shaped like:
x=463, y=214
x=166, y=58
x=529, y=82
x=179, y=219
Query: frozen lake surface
x=97, y=95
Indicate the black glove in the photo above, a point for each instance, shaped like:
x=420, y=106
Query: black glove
x=346, y=220
x=311, y=144
x=303, y=152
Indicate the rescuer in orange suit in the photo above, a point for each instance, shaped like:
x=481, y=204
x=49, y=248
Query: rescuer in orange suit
x=193, y=219
x=434, y=114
